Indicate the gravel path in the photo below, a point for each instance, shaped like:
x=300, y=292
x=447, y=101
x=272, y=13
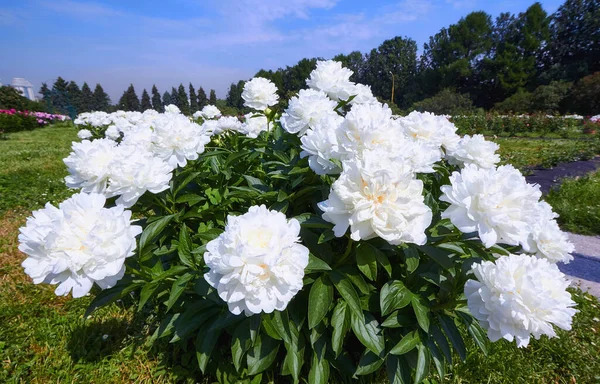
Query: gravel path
x=584, y=270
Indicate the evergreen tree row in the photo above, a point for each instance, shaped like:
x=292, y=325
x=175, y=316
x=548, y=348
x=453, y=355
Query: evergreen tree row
x=67, y=98
x=188, y=103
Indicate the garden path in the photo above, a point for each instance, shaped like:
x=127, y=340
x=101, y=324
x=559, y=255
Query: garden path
x=584, y=270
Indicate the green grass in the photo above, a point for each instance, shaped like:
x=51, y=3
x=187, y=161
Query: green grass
x=32, y=170
x=44, y=338
x=526, y=154
x=577, y=201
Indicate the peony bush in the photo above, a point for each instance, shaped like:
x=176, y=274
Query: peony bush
x=324, y=242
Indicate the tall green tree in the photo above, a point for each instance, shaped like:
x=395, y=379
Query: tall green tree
x=174, y=97
x=356, y=62
x=166, y=99
x=183, y=102
x=395, y=59
x=87, y=98
x=234, y=96
x=145, y=102
x=157, y=104
x=45, y=92
x=193, y=99
x=574, y=47
x=129, y=101
x=75, y=96
x=101, y=100
x=60, y=101
x=202, y=99
x=212, y=99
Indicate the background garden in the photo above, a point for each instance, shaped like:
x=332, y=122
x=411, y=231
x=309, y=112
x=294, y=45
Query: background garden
x=516, y=80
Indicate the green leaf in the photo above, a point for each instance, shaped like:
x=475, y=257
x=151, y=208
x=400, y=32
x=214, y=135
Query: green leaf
x=475, y=330
x=108, y=296
x=383, y=260
x=326, y=236
x=440, y=256
x=411, y=255
x=153, y=230
x=185, y=182
x=242, y=337
x=205, y=343
x=184, y=247
x=367, y=330
x=319, y=300
x=441, y=341
x=315, y=264
x=394, y=295
x=368, y=363
x=262, y=355
x=308, y=220
x=366, y=259
x=423, y=361
x=340, y=321
x=398, y=370
x=319, y=370
x=453, y=335
x=147, y=292
x=406, y=344
x=396, y=320
x=346, y=289
x=438, y=359
x=422, y=312
x=178, y=288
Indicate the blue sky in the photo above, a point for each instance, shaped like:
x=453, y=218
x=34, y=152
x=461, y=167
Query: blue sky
x=208, y=42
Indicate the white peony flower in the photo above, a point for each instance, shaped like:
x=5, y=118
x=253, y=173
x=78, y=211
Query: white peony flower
x=84, y=134
x=376, y=196
x=257, y=264
x=362, y=94
x=305, y=110
x=172, y=109
x=255, y=124
x=474, y=150
x=497, y=203
x=210, y=112
x=224, y=124
x=78, y=244
x=437, y=131
x=176, y=140
x=89, y=165
x=259, y=93
x=112, y=133
x=135, y=171
x=519, y=296
x=546, y=239
x=330, y=77
x=320, y=145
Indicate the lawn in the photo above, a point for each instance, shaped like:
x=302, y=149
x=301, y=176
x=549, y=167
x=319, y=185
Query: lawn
x=45, y=339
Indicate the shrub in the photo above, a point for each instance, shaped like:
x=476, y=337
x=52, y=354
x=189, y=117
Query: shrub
x=586, y=95
x=515, y=125
x=323, y=245
x=551, y=98
x=446, y=102
x=10, y=98
x=520, y=102
x=17, y=122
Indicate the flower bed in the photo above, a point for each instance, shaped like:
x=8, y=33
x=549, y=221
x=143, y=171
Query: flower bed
x=12, y=120
x=322, y=242
x=516, y=125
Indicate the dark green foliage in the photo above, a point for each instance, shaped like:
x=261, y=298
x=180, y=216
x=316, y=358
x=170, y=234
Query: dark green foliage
x=212, y=99
x=145, y=102
x=182, y=100
x=88, y=103
x=355, y=61
x=551, y=98
x=394, y=59
x=76, y=96
x=446, y=102
x=101, y=100
x=520, y=102
x=129, y=101
x=174, y=97
x=166, y=99
x=202, y=99
x=586, y=95
x=17, y=122
x=193, y=99
x=10, y=98
x=157, y=103
x=234, y=96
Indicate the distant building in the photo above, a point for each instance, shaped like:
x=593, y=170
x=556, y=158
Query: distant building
x=24, y=86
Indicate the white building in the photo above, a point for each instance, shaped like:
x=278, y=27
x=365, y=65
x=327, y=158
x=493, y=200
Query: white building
x=24, y=86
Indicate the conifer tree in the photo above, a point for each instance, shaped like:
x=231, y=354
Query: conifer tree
x=166, y=99
x=202, y=99
x=60, y=98
x=212, y=99
x=129, y=101
x=174, y=97
x=193, y=100
x=182, y=97
x=75, y=97
x=145, y=104
x=101, y=100
x=157, y=104
x=87, y=99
